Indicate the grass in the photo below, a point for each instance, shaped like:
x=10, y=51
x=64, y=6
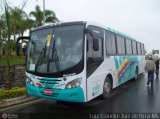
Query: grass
x=13, y=60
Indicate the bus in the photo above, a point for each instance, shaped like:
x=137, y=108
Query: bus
x=79, y=61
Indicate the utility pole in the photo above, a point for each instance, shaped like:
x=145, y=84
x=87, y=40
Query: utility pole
x=43, y=12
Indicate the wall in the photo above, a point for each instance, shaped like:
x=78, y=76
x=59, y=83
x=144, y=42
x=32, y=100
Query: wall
x=17, y=75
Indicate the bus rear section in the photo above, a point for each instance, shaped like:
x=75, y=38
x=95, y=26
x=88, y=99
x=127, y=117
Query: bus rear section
x=112, y=59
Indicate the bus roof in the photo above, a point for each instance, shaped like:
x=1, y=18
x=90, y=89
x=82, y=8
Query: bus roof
x=120, y=33
x=59, y=23
x=110, y=29
x=85, y=22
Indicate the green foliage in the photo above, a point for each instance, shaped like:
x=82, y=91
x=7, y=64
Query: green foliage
x=13, y=45
x=13, y=60
x=14, y=92
x=38, y=15
x=2, y=28
x=50, y=16
x=13, y=20
x=19, y=21
x=8, y=24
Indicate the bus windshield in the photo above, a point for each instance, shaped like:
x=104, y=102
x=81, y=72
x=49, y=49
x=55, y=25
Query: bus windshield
x=55, y=49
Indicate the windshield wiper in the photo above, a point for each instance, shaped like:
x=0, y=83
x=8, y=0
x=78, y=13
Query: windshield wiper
x=55, y=58
x=40, y=58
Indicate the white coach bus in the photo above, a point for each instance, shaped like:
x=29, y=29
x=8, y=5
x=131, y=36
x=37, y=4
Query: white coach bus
x=78, y=61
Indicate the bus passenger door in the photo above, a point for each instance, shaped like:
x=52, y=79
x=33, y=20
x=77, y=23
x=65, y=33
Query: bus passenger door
x=94, y=60
x=94, y=57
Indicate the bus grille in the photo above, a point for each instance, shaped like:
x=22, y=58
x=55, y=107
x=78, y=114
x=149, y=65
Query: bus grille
x=50, y=81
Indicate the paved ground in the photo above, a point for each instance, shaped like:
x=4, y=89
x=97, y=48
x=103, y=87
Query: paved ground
x=133, y=97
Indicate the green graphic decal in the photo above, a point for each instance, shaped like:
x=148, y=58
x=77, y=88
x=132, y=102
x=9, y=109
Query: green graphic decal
x=125, y=67
x=95, y=90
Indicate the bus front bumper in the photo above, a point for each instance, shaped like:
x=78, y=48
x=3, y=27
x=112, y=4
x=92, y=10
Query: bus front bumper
x=70, y=95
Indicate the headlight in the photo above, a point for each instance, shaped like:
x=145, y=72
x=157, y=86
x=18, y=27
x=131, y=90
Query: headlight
x=75, y=83
x=28, y=80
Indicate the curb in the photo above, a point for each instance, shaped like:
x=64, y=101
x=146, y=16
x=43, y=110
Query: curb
x=14, y=101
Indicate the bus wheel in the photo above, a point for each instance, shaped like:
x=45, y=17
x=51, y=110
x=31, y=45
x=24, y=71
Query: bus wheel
x=107, y=88
x=136, y=74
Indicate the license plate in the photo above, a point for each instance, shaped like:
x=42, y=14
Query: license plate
x=48, y=91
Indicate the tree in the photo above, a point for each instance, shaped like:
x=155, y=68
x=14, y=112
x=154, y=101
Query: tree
x=2, y=27
x=25, y=24
x=15, y=20
x=38, y=15
x=8, y=30
x=18, y=16
x=50, y=16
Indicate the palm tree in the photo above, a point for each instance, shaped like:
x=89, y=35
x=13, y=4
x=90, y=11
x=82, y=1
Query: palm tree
x=38, y=15
x=2, y=26
x=2, y=31
x=14, y=18
x=17, y=16
x=50, y=16
x=25, y=24
x=29, y=23
x=8, y=31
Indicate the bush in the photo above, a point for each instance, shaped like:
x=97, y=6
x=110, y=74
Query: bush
x=14, y=92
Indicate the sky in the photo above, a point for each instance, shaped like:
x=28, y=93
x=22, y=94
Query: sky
x=138, y=18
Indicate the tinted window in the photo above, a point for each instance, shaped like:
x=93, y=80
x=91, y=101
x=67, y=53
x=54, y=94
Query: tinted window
x=139, y=48
x=110, y=43
x=128, y=46
x=142, y=49
x=113, y=38
x=120, y=45
x=134, y=47
x=97, y=32
x=94, y=58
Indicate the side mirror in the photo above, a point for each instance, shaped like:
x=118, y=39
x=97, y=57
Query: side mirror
x=95, y=40
x=22, y=38
x=95, y=44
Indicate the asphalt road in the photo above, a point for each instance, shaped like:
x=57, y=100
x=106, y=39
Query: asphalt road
x=132, y=97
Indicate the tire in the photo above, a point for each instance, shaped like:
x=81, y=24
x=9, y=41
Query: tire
x=136, y=74
x=107, y=87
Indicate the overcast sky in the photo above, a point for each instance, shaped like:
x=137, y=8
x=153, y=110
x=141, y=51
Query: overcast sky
x=137, y=18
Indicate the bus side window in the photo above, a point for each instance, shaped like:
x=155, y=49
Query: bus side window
x=94, y=49
x=87, y=45
x=110, y=43
x=120, y=45
x=95, y=44
x=134, y=47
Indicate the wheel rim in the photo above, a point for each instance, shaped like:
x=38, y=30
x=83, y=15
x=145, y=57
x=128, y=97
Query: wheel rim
x=107, y=88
